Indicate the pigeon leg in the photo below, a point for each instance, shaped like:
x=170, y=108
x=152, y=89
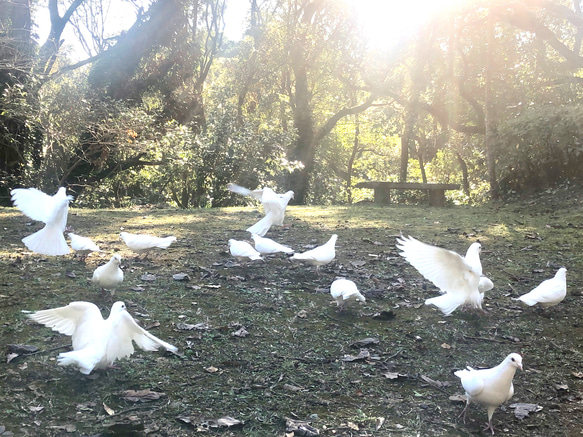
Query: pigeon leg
x=464, y=412
x=489, y=427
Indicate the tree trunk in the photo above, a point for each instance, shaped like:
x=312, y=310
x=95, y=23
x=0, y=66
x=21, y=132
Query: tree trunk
x=421, y=164
x=489, y=109
x=304, y=150
x=465, y=182
x=355, y=149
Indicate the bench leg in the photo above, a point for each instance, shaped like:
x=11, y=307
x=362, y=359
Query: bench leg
x=436, y=197
x=382, y=196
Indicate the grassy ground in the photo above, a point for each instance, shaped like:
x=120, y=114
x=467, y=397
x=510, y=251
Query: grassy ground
x=293, y=362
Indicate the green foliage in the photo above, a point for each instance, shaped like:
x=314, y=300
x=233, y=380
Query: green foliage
x=541, y=147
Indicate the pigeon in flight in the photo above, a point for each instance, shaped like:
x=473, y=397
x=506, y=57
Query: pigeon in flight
x=320, y=255
x=266, y=246
x=109, y=276
x=97, y=343
x=549, y=292
x=490, y=387
x=345, y=291
x=243, y=251
x=83, y=245
x=274, y=206
x=53, y=211
x=143, y=243
x=457, y=277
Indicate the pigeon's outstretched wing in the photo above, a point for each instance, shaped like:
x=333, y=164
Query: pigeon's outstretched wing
x=457, y=277
x=234, y=188
x=78, y=320
x=485, y=284
x=127, y=330
x=35, y=204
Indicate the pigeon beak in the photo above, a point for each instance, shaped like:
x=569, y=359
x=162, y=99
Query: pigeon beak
x=520, y=366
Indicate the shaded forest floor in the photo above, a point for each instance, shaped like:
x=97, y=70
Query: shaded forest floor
x=297, y=357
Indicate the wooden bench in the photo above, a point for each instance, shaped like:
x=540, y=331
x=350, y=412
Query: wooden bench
x=382, y=190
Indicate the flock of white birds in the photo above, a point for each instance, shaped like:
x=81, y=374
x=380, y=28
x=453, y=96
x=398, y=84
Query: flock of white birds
x=98, y=342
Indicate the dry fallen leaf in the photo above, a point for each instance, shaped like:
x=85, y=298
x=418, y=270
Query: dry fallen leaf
x=148, y=277
x=458, y=398
x=392, y=375
x=362, y=355
x=141, y=395
x=108, y=410
x=181, y=277
x=521, y=410
x=242, y=332
x=379, y=422
x=352, y=426
x=211, y=369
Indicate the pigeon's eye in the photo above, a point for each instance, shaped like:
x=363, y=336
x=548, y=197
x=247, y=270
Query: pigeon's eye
x=512, y=359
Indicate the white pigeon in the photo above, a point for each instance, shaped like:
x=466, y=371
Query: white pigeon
x=267, y=246
x=490, y=387
x=83, y=245
x=140, y=243
x=53, y=211
x=549, y=292
x=243, y=251
x=109, y=276
x=345, y=291
x=274, y=206
x=320, y=255
x=97, y=343
x=457, y=277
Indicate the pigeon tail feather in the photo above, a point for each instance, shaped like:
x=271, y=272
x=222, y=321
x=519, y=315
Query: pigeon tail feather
x=86, y=363
x=166, y=242
x=447, y=303
x=262, y=226
x=47, y=241
x=527, y=300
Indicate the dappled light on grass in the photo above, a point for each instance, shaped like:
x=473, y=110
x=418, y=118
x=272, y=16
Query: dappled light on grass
x=264, y=342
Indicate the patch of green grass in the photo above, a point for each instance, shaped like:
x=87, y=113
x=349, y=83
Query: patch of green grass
x=291, y=363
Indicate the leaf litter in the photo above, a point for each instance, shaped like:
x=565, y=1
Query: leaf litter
x=406, y=372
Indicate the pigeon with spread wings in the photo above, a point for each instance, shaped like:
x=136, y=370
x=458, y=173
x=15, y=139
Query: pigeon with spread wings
x=274, y=206
x=97, y=343
x=53, y=211
x=457, y=277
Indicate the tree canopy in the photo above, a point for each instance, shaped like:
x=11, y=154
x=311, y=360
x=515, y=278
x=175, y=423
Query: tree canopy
x=485, y=94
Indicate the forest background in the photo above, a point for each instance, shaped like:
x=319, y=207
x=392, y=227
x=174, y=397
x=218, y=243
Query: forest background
x=486, y=93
